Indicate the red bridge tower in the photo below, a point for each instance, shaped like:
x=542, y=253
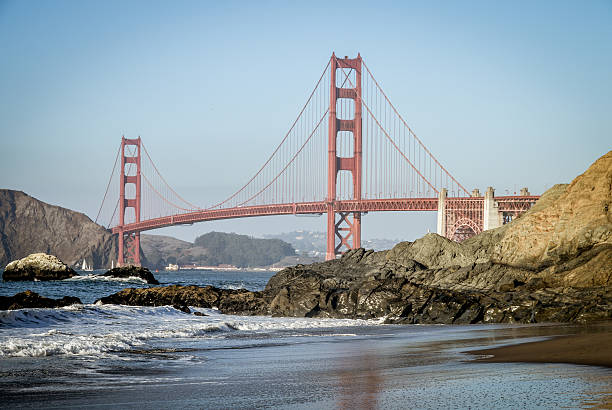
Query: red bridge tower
x=129, y=242
x=346, y=226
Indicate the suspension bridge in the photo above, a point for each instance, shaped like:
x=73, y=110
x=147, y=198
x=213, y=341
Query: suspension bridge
x=348, y=152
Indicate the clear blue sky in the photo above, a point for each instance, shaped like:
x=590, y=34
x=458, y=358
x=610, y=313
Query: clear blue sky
x=507, y=94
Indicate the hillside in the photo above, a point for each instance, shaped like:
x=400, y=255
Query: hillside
x=214, y=248
x=28, y=225
x=314, y=243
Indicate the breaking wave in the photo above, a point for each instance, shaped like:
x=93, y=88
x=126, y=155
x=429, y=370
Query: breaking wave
x=111, y=329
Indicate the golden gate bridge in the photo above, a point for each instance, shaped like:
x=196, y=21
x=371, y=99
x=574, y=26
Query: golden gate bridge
x=348, y=152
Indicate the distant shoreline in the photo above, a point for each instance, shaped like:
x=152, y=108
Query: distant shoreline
x=222, y=269
x=593, y=349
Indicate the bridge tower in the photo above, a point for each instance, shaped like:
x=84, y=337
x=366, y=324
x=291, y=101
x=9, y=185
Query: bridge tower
x=345, y=226
x=129, y=242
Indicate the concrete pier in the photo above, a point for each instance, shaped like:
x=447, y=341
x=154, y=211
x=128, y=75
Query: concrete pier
x=491, y=217
x=442, y=212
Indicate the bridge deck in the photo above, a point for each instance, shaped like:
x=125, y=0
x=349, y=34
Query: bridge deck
x=304, y=208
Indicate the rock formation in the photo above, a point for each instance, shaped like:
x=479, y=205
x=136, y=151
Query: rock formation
x=231, y=301
x=38, y=266
x=131, y=271
x=28, y=225
x=29, y=299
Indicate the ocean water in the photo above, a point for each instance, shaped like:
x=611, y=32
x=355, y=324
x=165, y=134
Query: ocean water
x=101, y=356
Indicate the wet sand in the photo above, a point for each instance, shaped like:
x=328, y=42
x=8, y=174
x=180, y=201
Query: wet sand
x=593, y=349
x=358, y=367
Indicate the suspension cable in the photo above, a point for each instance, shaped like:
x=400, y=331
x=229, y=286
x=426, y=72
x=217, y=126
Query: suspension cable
x=109, y=182
x=389, y=137
x=279, y=145
x=168, y=185
x=410, y=129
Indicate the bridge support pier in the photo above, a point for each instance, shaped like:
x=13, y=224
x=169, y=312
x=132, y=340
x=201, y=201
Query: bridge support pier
x=491, y=217
x=442, y=212
x=344, y=227
x=129, y=242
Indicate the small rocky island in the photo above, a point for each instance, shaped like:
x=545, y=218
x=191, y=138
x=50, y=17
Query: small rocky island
x=553, y=264
x=131, y=271
x=37, y=266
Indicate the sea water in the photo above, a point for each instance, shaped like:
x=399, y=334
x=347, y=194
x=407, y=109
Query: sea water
x=158, y=357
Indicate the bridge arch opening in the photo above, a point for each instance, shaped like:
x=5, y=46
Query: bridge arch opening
x=463, y=229
x=344, y=185
x=345, y=108
x=345, y=144
x=341, y=77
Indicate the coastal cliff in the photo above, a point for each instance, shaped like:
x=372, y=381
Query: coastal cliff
x=28, y=226
x=553, y=264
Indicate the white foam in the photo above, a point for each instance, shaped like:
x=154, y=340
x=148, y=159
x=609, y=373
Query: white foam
x=106, y=278
x=107, y=329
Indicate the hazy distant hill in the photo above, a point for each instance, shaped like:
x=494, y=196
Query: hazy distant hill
x=314, y=243
x=28, y=225
x=215, y=248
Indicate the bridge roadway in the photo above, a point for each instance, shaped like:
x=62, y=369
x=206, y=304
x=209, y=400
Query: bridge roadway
x=303, y=208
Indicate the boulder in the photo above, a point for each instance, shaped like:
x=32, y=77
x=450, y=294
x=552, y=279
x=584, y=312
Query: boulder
x=131, y=271
x=29, y=299
x=37, y=266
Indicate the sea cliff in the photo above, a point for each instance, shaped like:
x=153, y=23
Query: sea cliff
x=28, y=226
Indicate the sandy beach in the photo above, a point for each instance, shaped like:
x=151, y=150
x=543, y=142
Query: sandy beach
x=593, y=349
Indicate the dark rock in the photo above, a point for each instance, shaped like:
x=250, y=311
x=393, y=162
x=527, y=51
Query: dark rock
x=29, y=299
x=131, y=271
x=229, y=301
x=199, y=314
x=182, y=308
x=350, y=288
x=37, y=266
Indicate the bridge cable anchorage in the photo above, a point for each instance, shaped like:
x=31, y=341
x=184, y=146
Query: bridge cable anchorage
x=410, y=129
x=279, y=145
x=391, y=139
x=109, y=183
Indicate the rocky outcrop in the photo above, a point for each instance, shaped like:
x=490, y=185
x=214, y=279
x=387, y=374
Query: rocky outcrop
x=569, y=221
x=29, y=299
x=362, y=285
x=239, y=302
x=131, y=271
x=38, y=266
x=28, y=225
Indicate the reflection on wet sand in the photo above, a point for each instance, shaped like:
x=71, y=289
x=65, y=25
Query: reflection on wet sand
x=359, y=382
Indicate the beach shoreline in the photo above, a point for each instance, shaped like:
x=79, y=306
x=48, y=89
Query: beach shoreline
x=593, y=347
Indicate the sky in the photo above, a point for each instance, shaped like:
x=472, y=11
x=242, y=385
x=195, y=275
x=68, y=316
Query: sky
x=505, y=94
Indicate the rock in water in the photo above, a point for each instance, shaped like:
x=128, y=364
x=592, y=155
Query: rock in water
x=231, y=301
x=29, y=299
x=131, y=271
x=37, y=266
